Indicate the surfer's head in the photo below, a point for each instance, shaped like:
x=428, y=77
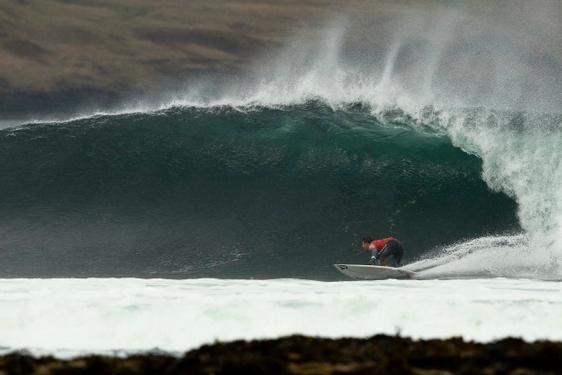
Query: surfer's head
x=366, y=242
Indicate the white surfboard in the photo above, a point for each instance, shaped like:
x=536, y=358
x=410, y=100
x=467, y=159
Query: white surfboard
x=366, y=272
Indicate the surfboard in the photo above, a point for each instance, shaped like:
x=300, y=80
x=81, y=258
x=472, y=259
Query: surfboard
x=366, y=272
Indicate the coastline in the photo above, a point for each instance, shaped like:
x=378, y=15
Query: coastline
x=310, y=355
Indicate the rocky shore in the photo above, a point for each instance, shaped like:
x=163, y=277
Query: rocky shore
x=307, y=356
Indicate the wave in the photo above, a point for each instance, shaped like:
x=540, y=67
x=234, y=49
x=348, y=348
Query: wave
x=444, y=130
x=218, y=172
x=271, y=192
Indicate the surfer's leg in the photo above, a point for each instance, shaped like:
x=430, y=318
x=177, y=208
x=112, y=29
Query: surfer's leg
x=391, y=255
x=398, y=255
x=386, y=253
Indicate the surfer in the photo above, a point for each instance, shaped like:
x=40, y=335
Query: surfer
x=385, y=252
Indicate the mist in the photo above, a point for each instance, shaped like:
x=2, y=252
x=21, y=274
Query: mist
x=502, y=55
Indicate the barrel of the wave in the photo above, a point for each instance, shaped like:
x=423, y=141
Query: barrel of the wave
x=195, y=192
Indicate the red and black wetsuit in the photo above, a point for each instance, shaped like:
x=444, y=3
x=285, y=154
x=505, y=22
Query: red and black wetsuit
x=385, y=248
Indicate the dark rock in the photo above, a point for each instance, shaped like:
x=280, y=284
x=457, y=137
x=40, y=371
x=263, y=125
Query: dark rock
x=307, y=356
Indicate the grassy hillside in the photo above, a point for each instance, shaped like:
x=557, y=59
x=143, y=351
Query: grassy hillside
x=49, y=47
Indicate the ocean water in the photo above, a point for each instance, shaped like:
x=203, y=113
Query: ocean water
x=218, y=213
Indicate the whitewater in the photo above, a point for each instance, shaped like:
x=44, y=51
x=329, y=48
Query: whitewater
x=69, y=317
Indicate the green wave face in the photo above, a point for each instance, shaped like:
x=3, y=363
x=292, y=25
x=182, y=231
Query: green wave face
x=222, y=193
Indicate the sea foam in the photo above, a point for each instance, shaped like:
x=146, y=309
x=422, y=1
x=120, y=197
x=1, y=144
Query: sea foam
x=67, y=317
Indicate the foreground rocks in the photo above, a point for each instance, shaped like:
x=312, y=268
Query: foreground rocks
x=307, y=356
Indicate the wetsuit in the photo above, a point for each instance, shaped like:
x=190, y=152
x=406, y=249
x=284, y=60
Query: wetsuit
x=387, y=251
